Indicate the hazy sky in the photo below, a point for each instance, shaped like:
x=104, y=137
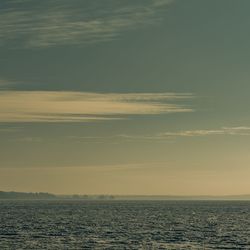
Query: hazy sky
x=125, y=96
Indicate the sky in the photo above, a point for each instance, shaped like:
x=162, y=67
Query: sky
x=143, y=97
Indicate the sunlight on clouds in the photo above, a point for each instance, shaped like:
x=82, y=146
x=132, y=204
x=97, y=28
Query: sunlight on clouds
x=62, y=106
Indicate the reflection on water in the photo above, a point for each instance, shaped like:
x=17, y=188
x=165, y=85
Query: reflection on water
x=124, y=225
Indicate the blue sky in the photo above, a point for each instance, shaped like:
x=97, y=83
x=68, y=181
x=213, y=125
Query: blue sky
x=111, y=96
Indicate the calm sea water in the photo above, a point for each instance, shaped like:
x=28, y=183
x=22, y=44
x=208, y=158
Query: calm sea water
x=124, y=225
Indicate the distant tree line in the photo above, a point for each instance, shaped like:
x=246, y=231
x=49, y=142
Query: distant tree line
x=41, y=196
x=21, y=195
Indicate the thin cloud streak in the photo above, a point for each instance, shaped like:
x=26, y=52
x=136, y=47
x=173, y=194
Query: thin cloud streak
x=27, y=139
x=3, y=83
x=52, y=23
x=207, y=132
x=232, y=131
x=63, y=106
x=10, y=129
x=6, y=84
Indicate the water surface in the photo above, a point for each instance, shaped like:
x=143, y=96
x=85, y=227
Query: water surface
x=124, y=225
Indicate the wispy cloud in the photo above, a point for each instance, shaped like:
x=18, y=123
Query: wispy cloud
x=27, y=139
x=61, y=22
x=63, y=106
x=206, y=132
x=2, y=82
x=232, y=131
x=5, y=129
x=6, y=84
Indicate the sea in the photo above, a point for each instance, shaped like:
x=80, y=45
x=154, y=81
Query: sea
x=114, y=224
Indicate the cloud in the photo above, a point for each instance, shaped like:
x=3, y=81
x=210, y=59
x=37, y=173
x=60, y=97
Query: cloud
x=62, y=22
x=5, y=129
x=190, y=133
x=6, y=84
x=162, y=2
x=242, y=130
x=2, y=82
x=207, y=132
x=28, y=139
x=63, y=106
x=232, y=131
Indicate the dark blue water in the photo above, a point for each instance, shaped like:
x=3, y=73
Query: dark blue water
x=124, y=225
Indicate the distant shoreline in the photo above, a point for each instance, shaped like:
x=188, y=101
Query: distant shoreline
x=49, y=196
